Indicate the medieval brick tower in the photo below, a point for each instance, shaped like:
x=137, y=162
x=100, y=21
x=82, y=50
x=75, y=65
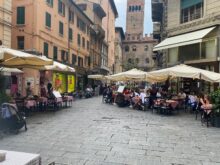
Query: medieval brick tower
x=137, y=47
x=135, y=17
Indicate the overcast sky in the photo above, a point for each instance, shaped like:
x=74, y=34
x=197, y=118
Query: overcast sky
x=121, y=20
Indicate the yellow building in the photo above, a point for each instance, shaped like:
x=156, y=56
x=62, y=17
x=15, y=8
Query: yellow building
x=5, y=22
x=58, y=29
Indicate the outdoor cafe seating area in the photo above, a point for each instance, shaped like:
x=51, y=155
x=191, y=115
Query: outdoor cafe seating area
x=37, y=103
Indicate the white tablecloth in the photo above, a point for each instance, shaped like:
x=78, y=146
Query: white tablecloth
x=20, y=158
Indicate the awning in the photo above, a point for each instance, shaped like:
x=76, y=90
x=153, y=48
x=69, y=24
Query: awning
x=184, y=39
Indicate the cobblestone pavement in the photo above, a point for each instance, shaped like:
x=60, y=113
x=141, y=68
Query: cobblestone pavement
x=95, y=133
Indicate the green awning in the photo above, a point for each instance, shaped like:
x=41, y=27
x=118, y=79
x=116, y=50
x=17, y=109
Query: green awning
x=188, y=3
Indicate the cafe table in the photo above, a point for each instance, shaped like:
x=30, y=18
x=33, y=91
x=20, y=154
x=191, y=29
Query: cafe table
x=20, y=158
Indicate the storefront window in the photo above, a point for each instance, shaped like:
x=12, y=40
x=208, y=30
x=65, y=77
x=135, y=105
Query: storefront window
x=189, y=52
x=173, y=55
x=208, y=49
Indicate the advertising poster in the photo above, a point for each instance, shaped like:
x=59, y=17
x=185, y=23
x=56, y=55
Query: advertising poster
x=59, y=82
x=71, y=83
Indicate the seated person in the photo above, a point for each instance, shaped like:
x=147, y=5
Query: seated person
x=206, y=106
x=43, y=91
x=192, y=101
x=182, y=94
x=142, y=96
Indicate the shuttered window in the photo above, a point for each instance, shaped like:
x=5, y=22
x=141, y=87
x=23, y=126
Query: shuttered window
x=48, y=20
x=20, y=15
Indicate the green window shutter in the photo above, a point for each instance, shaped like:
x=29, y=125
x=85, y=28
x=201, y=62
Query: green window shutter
x=189, y=3
x=61, y=28
x=70, y=34
x=55, y=50
x=46, y=49
x=20, y=15
x=50, y=3
x=48, y=20
x=59, y=6
x=79, y=40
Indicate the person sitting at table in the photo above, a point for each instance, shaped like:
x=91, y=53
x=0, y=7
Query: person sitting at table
x=43, y=92
x=205, y=105
x=192, y=101
x=29, y=92
x=142, y=96
x=159, y=95
x=182, y=94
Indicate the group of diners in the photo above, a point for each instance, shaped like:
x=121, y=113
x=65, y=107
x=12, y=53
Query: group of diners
x=48, y=98
x=159, y=100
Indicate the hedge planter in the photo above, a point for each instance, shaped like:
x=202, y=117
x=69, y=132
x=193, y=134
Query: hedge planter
x=216, y=121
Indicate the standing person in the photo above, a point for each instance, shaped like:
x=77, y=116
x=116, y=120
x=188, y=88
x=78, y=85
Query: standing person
x=50, y=90
x=29, y=92
x=142, y=96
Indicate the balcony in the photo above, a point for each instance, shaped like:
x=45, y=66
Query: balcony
x=99, y=31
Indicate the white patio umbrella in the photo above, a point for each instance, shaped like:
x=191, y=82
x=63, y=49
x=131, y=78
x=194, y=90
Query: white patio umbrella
x=135, y=75
x=58, y=67
x=11, y=70
x=97, y=77
x=14, y=58
x=186, y=71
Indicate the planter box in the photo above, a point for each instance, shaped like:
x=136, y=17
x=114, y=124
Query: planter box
x=216, y=121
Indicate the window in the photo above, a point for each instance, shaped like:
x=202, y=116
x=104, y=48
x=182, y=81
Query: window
x=71, y=16
x=55, y=50
x=61, y=28
x=73, y=59
x=64, y=56
x=139, y=8
x=20, y=42
x=126, y=48
x=81, y=25
x=50, y=3
x=79, y=39
x=191, y=10
x=146, y=48
x=80, y=61
x=133, y=8
x=48, y=20
x=61, y=8
x=136, y=8
x=46, y=49
x=147, y=60
x=129, y=60
x=20, y=15
x=134, y=48
x=83, y=42
x=129, y=8
x=88, y=45
x=70, y=34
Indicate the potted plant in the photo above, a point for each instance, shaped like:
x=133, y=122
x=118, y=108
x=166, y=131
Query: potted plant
x=215, y=98
x=3, y=96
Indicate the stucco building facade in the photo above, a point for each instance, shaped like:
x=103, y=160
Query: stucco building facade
x=137, y=49
x=99, y=61
x=119, y=38
x=57, y=29
x=191, y=33
x=108, y=24
x=5, y=22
